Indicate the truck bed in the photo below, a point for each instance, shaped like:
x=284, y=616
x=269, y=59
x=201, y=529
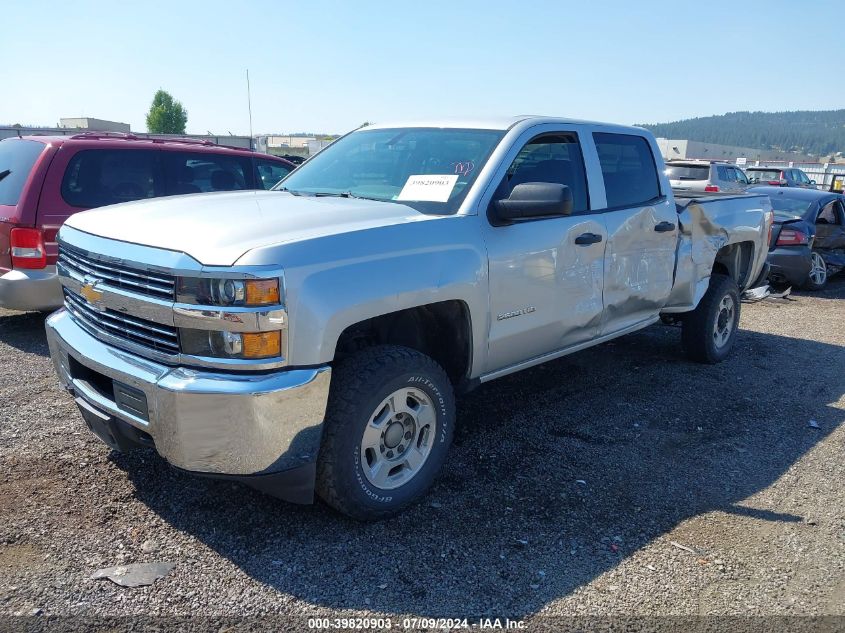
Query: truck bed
x=684, y=198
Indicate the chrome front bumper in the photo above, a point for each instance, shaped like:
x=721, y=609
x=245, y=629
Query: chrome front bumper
x=30, y=289
x=203, y=421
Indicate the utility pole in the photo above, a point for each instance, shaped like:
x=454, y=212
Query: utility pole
x=249, y=106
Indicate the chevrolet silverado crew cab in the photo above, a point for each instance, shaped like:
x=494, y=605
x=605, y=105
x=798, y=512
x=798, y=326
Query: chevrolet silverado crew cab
x=311, y=338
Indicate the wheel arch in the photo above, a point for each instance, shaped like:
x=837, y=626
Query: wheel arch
x=441, y=330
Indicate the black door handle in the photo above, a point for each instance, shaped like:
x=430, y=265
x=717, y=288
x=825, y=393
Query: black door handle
x=587, y=238
x=664, y=227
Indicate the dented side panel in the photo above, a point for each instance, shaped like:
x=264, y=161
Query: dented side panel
x=711, y=225
x=639, y=264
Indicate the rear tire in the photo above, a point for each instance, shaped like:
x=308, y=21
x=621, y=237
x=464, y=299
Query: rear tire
x=389, y=424
x=710, y=330
x=817, y=277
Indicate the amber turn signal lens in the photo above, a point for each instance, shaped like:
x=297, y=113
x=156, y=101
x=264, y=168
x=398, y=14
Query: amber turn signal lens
x=262, y=345
x=262, y=292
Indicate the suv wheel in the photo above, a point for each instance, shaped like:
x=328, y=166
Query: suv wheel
x=709, y=331
x=389, y=425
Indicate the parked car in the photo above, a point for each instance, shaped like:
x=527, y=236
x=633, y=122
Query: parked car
x=46, y=179
x=705, y=176
x=314, y=336
x=779, y=177
x=807, y=245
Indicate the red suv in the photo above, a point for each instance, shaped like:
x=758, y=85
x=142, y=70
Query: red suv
x=46, y=179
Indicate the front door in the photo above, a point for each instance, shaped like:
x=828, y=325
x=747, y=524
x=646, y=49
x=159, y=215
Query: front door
x=546, y=275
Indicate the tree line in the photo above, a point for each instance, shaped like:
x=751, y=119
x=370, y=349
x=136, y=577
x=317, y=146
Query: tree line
x=816, y=132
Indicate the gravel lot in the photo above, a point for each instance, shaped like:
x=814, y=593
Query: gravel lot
x=620, y=480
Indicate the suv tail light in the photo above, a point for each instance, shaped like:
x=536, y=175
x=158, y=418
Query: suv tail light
x=28, y=249
x=792, y=237
x=711, y=188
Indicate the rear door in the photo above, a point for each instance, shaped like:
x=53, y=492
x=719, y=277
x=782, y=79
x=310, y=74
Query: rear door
x=830, y=227
x=642, y=228
x=87, y=175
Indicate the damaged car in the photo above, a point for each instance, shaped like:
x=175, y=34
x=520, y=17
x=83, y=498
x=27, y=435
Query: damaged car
x=807, y=244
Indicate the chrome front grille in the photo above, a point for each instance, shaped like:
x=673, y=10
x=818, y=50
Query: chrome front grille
x=137, y=280
x=155, y=336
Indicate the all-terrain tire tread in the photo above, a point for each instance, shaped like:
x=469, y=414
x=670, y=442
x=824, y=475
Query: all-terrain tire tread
x=696, y=328
x=351, y=378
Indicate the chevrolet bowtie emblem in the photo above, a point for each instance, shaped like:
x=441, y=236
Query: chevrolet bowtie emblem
x=91, y=294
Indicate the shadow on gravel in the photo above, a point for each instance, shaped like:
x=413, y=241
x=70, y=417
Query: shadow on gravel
x=24, y=331
x=835, y=289
x=557, y=474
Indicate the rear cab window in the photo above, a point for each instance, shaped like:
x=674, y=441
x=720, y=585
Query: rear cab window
x=628, y=168
x=17, y=157
x=687, y=172
x=764, y=175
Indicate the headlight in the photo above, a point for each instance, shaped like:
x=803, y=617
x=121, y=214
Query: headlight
x=228, y=292
x=244, y=345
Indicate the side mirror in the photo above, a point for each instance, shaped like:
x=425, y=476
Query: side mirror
x=534, y=200
x=812, y=182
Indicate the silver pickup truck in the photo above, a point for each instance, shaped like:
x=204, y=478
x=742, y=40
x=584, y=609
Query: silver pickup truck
x=312, y=338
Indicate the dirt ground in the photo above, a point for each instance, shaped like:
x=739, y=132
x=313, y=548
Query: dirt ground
x=623, y=480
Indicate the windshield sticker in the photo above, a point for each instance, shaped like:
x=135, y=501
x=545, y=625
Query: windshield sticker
x=464, y=168
x=428, y=188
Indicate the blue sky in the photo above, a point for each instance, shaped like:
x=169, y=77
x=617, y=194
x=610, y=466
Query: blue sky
x=329, y=65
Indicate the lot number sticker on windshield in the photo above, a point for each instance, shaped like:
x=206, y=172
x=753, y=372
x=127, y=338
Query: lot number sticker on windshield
x=428, y=188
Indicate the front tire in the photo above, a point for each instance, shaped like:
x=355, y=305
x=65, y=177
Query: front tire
x=710, y=330
x=389, y=424
x=817, y=278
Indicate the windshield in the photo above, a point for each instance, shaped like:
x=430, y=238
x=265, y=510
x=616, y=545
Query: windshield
x=429, y=169
x=16, y=160
x=764, y=175
x=688, y=172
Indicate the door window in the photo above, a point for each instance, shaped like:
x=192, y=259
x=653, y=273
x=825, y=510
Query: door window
x=828, y=214
x=269, y=172
x=95, y=178
x=723, y=174
x=554, y=158
x=628, y=169
x=189, y=172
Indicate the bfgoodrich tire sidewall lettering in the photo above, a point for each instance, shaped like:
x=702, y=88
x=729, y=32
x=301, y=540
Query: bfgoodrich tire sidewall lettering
x=444, y=427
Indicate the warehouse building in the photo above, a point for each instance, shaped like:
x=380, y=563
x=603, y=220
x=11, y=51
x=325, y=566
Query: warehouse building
x=674, y=149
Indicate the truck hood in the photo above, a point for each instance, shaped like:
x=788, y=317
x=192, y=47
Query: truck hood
x=216, y=229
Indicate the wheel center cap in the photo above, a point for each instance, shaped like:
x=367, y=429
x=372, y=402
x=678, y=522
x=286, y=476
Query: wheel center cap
x=393, y=435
